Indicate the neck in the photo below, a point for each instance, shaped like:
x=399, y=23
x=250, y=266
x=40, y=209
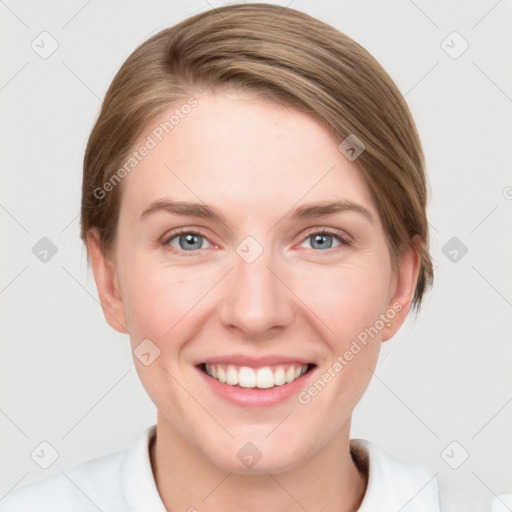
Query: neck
x=329, y=481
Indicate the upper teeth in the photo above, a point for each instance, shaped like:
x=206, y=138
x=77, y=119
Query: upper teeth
x=247, y=377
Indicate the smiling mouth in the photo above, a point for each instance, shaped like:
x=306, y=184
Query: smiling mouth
x=266, y=377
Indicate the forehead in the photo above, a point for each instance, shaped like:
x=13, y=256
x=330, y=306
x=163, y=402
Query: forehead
x=233, y=150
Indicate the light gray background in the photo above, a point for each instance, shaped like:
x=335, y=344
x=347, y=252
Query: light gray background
x=69, y=379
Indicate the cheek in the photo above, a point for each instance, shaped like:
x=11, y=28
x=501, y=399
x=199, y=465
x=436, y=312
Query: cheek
x=159, y=302
x=346, y=300
x=348, y=306
x=155, y=299
x=346, y=303
x=168, y=306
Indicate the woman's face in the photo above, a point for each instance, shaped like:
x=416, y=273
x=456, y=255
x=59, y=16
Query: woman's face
x=261, y=285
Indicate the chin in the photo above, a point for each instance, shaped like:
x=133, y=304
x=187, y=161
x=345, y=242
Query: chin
x=259, y=456
x=275, y=464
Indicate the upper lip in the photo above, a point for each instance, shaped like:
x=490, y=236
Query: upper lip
x=254, y=362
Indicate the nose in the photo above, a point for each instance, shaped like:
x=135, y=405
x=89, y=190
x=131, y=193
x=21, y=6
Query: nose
x=256, y=300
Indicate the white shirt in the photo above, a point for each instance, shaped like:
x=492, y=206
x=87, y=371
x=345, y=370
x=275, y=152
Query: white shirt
x=123, y=482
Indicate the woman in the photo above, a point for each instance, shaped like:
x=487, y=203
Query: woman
x=253, y=206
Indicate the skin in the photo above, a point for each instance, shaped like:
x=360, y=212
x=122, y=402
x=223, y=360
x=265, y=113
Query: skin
x=254, y=162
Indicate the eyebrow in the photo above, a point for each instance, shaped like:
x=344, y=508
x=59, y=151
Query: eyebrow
x=306, y=211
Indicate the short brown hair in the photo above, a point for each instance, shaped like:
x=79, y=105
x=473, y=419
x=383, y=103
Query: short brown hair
x=284, y=56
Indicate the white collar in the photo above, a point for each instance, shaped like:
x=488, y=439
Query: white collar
x=394, y=484
x=138, y=483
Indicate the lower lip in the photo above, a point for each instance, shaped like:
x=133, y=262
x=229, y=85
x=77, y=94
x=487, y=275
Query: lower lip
x=256, y=397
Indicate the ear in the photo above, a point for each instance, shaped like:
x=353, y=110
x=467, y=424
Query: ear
x=105, y=276
x=405, y=286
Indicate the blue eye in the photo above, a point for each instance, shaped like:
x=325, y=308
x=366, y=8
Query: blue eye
x=323, y=240
x=187, y=241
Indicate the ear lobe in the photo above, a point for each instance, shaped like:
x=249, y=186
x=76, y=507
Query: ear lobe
x=105, y=276
x=405, y=287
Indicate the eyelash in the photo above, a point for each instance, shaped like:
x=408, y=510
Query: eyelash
x=343, y=239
